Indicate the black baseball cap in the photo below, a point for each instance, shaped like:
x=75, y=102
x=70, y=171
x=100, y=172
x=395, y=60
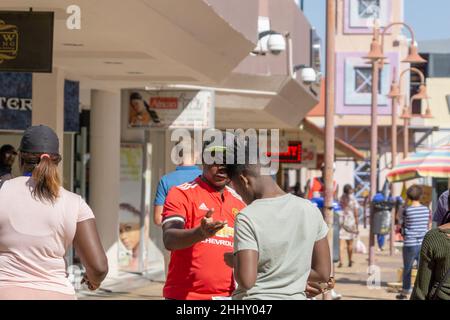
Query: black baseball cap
x=40, y=139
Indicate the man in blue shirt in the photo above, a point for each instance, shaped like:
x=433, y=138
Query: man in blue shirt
x=187, y=171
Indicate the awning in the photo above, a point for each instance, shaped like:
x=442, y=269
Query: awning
x=124, y=44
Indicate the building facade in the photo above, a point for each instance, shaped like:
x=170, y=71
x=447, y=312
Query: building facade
x=355, y=21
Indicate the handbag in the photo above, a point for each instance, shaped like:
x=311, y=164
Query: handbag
x=433, y=295
x=348, y=223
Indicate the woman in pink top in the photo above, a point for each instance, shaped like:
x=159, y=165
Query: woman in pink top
x=39, y=220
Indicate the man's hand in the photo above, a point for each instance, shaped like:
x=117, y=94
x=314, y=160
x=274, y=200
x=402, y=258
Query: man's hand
x=314, y=288
x=208, y=228
x=228, y=257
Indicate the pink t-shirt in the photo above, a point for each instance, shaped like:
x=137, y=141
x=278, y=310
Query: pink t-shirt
x=34, y=236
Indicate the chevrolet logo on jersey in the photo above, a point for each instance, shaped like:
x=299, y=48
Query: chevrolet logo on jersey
x=225, y=232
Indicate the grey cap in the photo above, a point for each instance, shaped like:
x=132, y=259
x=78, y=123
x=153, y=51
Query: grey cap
x=40, y=139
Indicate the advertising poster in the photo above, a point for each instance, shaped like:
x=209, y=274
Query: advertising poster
x=130, y=207
x=137, y=253
x=171, y=109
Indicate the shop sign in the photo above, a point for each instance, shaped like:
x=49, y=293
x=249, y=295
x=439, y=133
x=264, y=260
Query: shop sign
x=26, y=41
x=292, y=155
x=16, y=103
x=170, y=109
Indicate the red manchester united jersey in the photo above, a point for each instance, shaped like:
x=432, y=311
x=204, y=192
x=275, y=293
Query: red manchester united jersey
x=200, y=272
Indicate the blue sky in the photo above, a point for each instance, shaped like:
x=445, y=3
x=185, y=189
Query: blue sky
x=430, y=19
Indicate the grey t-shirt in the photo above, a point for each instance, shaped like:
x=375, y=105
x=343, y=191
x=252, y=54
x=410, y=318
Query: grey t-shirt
x=283, y=230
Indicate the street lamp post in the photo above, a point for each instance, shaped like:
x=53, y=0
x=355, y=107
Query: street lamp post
x=376, y=58
x=421, y=95
x=329, y=125
x=373, y=150
x=395, y=94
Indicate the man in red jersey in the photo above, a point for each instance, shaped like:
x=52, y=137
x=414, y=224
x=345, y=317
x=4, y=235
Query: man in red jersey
x=198, y=229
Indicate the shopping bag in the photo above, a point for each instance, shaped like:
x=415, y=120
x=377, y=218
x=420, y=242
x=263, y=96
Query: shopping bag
x=360, y=247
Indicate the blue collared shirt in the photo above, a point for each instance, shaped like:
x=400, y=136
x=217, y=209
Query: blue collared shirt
x=181, y=175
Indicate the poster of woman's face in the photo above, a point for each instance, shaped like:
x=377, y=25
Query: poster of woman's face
x=129, y=237
x=139, y=116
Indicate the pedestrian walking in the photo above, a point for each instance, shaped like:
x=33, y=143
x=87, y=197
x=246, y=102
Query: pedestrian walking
x=415, y=224
x=40, y=222
x=433, y=276
x=198, y=222
x=268, y=263
x=349, y=229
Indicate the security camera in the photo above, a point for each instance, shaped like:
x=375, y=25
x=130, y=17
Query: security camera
x=309, y=75
x=276, y=43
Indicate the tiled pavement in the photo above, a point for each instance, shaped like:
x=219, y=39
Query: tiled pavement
x=351, y=282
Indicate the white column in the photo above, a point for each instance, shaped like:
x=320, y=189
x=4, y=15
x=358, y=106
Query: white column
x=104, y=188
x=48, y=103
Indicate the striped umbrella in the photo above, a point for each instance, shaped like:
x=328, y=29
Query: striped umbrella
x=432, y=162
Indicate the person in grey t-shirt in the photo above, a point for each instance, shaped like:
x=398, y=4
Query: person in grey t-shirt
x=280, y=240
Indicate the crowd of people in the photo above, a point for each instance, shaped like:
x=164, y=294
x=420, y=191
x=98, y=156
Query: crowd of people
x=231, y=232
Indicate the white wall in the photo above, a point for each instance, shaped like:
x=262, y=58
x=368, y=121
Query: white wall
x=344, y=174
